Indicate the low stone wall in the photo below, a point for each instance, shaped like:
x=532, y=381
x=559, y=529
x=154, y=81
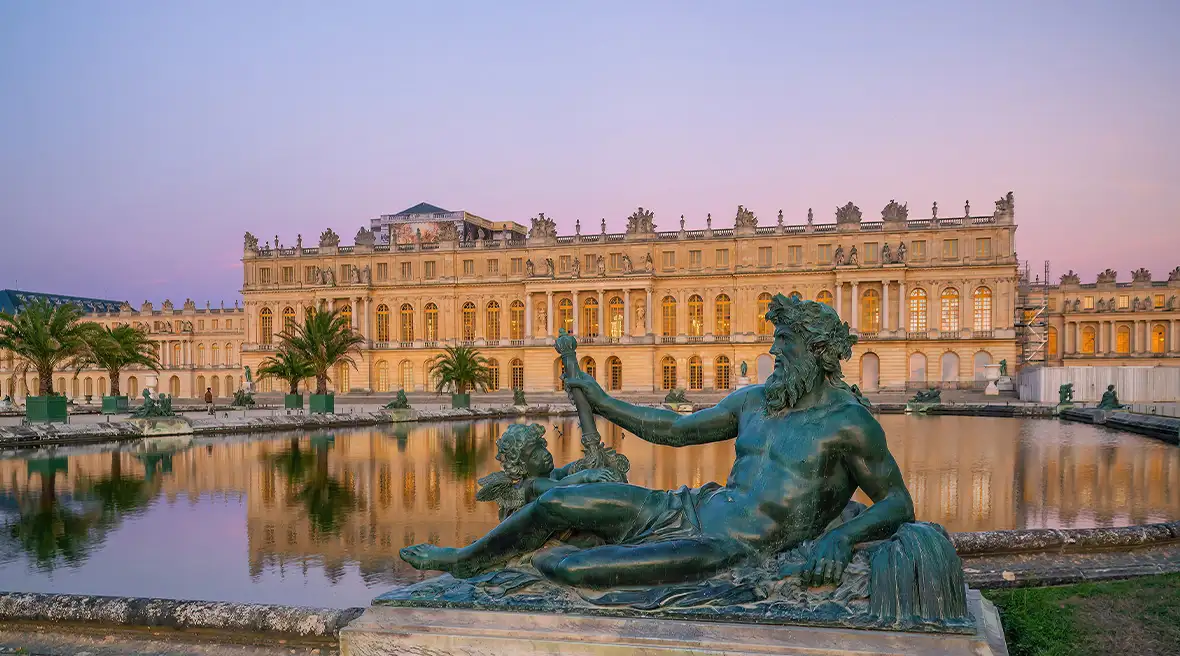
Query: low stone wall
x=1162, y=428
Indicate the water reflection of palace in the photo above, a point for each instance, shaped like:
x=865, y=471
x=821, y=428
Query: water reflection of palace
x=361, y=495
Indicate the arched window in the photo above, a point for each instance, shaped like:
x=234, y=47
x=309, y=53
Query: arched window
x=721, y=373
x=983, y=308
x=917, y=310
x=1122, y=342
x=265, y=327
x=229, y=356
x=383, y=323
x=696, y=373
x=200, y=355
x=516, y=371
x=132, y=386
x=669, y=305
x=764, y=327
x=88, y=386
x=493, y=321
x=950, y=310
x=215, y=355
x=590, y=317
x=407, y=323
x=174, y=386
x=696, y=316
x=722, y=310
x=216, y=385
x=1159, y=339
x=431, y=322
x=102, y=386
x=565, y=315
x=950, y=367
x=795, y=295
x=289, y=320
x=468, y=321
x=589, y=367
x=616, y=322
x=493, y=374
x=917, y=373
x=342, y=382
x=405, y=375
x=668, y=373
x=178, y=356
x=382, y=376
x=870, y=311
x=824, y=297
x=516, y=320
x=346, y=312
x=1052, y=345
x=614, y=373
x=229, y=385
x=1088, y=340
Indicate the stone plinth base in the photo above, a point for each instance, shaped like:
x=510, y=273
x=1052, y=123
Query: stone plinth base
x=1005, y=384
x=743, y=381
x=390, y=631
x=991, y=389
x=162, y=425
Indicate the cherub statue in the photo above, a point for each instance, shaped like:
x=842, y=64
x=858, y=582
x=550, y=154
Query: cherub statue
x=549, y=266
x=528, y=472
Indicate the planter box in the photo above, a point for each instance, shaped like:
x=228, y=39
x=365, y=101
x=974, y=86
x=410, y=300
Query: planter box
x=323, y=404
x=45, y=409
x=293, y=401
x=114, y=405
x=460, y=400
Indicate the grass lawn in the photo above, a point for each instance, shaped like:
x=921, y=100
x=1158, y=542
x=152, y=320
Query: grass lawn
x=1134, y=617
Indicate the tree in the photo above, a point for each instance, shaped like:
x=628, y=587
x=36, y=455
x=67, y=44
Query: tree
x=286, y=365
x=324, y=340
x=459, y=369
x=45, y=338
x=114, y=348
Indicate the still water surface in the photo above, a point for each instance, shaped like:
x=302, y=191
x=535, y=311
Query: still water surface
x=317, y=519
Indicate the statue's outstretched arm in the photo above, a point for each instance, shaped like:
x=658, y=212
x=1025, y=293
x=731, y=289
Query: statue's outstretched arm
x=876, y=472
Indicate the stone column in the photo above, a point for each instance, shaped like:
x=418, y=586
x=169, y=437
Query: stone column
x=601, y=313
x=903, y=308
x=1068, y=336
x=855, y=305
x=650, y=311
x=1103, y=340
x=627, y=319
x=886, y=316
x=577, y=313
x=549, y=314
x=840, y=299
x=528, y=315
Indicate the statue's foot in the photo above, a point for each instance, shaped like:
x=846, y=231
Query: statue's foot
x=429, y=556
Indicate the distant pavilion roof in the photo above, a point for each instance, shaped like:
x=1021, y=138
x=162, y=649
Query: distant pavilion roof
x=11, y=301
x=423, y=208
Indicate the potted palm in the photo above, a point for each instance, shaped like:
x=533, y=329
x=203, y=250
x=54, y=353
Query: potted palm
x=45, y=337
x=460, y=369
x=113, y=349
x=324, y=340
x=291, y=367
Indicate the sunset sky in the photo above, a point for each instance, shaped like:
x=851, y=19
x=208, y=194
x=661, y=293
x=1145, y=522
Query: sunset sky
x=140, y=140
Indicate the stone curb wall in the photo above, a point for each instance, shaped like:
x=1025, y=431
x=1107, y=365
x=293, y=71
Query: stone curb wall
x=1065, y=540
x=1159, y=427
x=146, y=612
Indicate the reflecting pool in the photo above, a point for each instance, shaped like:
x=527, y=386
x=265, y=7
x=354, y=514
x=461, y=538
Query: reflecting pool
x=317, y=519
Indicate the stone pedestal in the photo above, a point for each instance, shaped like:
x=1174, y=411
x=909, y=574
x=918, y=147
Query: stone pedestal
x=1005, y=384
x=992, y=374
x=743, y=381
x=149, y=426
x=390, y=631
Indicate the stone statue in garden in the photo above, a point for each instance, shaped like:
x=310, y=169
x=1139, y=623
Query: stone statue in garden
x=928, y=396
x=781, y=540
x=675, y=396
x=161, y=407
x=518, y=397
x=1065, y=394
x=399, y=402
x=1110, y=399
x=1004, y=367
x=744, y=368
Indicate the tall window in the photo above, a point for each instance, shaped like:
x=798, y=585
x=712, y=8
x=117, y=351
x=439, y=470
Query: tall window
x=565, y=315
x=265, y=327
x=669, y=305
x=615, y=319
x=950, y=310
x=721, y=373
x=696, y=373
x=468, y=321
x=516, y=320
x=614, y=373
x=289, y=320
x=917, y=310
x=229, y=356
x=983, y=308
x=431, y=322
x=589, y=367
x=696, y=316
x=668, y=373
x=1159, y=339
x=764, y=327
x=342, y=383
x=200, y=356
x=382, y=376
x=406, y=375
x=1122, y=342
x=1088, y=340
x=1052, y=345
x=215, y=354
x=590, y=317
x=824, y=297
x=493, y=319
x=516, y=370
x=870, y=311
x=346, y=312
x=383, y=323
x=493, y=374
x=407, y=322
x=722, y=310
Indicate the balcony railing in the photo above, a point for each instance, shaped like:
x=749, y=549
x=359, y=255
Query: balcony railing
x=666, y=339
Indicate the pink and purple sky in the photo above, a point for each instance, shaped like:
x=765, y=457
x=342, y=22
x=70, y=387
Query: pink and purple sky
x=139, y=140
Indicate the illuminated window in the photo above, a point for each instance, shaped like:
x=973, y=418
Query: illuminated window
x=825, y=297
x=516, y=320
x=407, y=322
x=1088, y=303
x=200, y=356
x=431, y=322
x=614, y=370
x=696, y=316
x=382, y=376
x=565, y=314
x=215, y=355
x=764, y=326
x=493, y=374
x=669, y=318
x=1122, y=340
x=668, y=371
x=870, y=311
x=616, y=322
x=721, y=373
x=917, y=310
x=590, y=317
x=493, y=321
x=1088, y=340
x=346, y=312
x=383, y=323
x=983, y=308
x=265, y=327
x=1124, y=301
x=1052, y=345
x=1159, y=339
x=950, y=310
x=289, y=320
x=1158, y=301
x=406, y=374
x=516, y=371
x=722, y=310
x=589, y=367
x=695, y=373
x=468, y=321
x=342, y=382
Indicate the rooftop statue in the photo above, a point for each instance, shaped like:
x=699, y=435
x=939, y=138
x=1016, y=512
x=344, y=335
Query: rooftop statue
x=329, y=239
x=895, y=211
x=1110, y=275
x=745, y=218
x=641, y=221
x=1070, y=278
x=1141, y=275
x=250, y=242
x=364, y=237
x=850, y=213
x=780, y=541
x=1174, y=276
x=542, y=227
x=1006, y=205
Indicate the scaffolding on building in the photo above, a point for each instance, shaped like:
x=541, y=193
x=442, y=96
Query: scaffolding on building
x=1032, y=317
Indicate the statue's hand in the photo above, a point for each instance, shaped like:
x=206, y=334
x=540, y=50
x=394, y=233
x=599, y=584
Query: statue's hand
x=587, y=384
x=830, y=555
x=591, y=476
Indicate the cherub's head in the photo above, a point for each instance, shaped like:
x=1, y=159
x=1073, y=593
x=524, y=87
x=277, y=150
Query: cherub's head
x=523, y=452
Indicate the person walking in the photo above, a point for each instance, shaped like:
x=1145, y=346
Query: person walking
x=209, y=399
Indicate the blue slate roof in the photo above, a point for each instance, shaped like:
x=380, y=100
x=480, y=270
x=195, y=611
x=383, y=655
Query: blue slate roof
x=11, y=301
x=423, y=208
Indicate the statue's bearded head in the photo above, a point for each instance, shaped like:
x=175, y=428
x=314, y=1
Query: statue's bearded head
x=809, y=343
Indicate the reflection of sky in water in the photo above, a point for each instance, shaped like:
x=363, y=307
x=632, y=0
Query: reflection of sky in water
x=318, y=521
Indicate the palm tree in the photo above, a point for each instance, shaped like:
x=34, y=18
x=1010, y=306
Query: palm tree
x=324, y=340
x=286, y=365
x=459, y=369
x=113, y=348
x=46, y=338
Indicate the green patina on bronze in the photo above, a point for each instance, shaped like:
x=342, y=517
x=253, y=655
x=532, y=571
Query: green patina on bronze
x=781, y=541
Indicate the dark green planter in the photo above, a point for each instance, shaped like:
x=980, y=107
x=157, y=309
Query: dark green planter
x=293, y=401
x=323, y=404
x=460, y=400
x=114, y=405
x=45, y=409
